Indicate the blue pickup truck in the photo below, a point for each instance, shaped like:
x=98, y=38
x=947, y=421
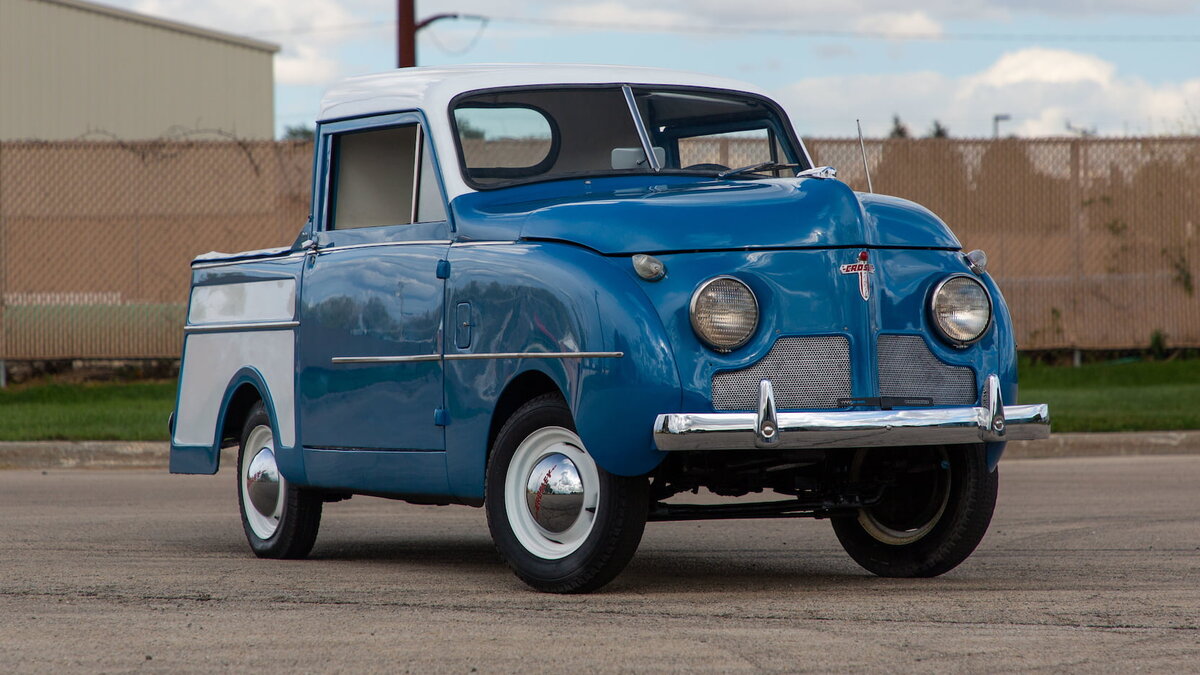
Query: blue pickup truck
x=568, y=294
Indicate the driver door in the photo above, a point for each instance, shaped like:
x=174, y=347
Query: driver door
x=369, y=358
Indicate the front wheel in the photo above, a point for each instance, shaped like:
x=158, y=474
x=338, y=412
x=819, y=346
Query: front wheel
x=561, y=522
x=935, y=506
x=280, y=520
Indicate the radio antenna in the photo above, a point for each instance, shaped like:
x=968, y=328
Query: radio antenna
x=863, y=147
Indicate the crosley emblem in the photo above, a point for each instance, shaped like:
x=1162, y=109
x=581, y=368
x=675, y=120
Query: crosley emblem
x=862, y=268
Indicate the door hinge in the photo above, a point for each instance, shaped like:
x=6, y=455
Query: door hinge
x=443, y=269
x=440, y=417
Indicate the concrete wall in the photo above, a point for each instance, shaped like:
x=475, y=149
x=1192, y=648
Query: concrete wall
x=71, y=70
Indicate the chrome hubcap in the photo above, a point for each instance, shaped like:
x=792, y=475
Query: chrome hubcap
x=554, y=493
x=262, y=482
x=551, y=493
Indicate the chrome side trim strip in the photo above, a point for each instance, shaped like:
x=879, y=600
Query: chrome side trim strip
x=378, y=244
x=477, y=357
x=536, y=355
x=208, y=265
x=458, y=244
x=387, y=359
x=244, y=325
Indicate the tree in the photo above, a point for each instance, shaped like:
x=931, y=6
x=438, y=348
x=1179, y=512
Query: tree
x=468, y=130
x=298, y=132
x=938, y=130
x=899, y=129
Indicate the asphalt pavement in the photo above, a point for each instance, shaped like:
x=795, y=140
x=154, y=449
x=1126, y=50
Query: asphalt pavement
x=1092, y=564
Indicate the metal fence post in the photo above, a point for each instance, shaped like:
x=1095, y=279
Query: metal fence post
x=1075, y=193
x=3, y=276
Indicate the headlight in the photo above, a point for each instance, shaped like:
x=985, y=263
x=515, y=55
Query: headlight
x=724, y=313
x=962, y=309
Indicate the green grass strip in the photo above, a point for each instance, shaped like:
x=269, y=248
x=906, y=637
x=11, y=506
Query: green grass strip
x=128, y=411
x=1135, y=396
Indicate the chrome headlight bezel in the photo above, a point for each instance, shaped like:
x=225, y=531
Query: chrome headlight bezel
x=946, y=333
x=722, y=346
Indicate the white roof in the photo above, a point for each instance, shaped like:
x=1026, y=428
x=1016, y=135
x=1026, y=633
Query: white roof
x=430, y=88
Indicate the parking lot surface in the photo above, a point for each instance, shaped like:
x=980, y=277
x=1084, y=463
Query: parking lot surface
x=1091, y=564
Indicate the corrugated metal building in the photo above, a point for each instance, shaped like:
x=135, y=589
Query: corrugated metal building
x=72, y=69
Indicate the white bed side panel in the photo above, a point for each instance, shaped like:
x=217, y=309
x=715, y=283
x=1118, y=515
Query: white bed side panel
x=273, y=300
x=210, y=362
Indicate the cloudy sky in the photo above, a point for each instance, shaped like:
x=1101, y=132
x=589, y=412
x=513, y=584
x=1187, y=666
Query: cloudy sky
x=1116, y=67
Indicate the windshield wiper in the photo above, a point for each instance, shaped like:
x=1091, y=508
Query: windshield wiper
x=761, y=166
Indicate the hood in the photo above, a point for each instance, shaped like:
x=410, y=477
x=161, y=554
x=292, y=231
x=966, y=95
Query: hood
x=659, y=214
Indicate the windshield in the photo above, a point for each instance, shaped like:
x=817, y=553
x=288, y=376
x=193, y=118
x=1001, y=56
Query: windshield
x=521, y=135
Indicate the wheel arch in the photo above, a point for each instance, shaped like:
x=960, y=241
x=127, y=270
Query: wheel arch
x=237, y=411
x=245, y=388
x=520, y=390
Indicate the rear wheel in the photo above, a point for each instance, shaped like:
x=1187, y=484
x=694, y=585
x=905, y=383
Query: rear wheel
x=935, y=507
x=280, y=520
x=561, y=522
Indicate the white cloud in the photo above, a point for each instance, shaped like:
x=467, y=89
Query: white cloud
x=617, y=13
x=1049, y=66
x=305, y=64
x=306, y=55
x=898, y=24
x=1041, y=89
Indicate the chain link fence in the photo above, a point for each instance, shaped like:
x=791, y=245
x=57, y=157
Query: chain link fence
x=95, y=237
x=1093, y=241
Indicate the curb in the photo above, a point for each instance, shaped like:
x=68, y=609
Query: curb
x=154, y=454
x=1116, y=444
x=90, y=455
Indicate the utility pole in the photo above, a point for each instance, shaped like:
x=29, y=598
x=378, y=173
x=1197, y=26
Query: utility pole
x=406, y=33
x=407, y=27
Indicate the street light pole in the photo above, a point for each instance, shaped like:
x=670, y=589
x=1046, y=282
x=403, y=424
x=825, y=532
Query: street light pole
x=996, y=120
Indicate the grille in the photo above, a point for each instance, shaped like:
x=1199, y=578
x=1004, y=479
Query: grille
x=806, y=372
x=908, y=368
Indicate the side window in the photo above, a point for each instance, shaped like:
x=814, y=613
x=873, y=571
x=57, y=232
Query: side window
x=430, y=207
x=384, y=177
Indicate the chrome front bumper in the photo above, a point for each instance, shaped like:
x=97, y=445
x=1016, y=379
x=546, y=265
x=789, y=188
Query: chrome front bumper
x=767, y=428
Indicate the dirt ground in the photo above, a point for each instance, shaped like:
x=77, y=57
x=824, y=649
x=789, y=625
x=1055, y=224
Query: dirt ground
x=1091, y=564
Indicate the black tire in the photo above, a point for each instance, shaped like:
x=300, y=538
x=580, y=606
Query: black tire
x=617, y=517
x=294, y=531
x=928, y=522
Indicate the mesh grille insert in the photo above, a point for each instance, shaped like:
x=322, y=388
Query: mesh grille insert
x=806, y=372
x=908, y=368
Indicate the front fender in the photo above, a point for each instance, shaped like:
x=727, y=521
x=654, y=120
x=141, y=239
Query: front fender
x=1006, y=359
x=553, y=297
